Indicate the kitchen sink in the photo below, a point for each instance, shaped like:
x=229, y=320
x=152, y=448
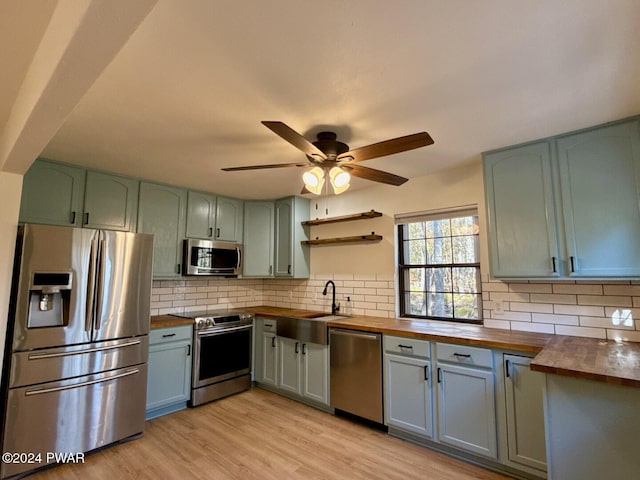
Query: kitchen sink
x=312, y=329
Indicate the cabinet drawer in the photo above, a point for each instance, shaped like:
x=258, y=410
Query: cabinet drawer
x=463, y=354
x=269, y=325
x=170, y=334
x=407, y=346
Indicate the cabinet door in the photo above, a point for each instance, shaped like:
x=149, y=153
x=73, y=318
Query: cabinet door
x=521, y=212
x=201, y=210
x=258, y=239
x=289, y=371
x=600, y=182
x=52, y=193
x=229, y=220
x=162, y=213
x=110, y=202
x=315, y=372
x=466, y=409
x=269, y=367
x=525, y=415
x=408, y=394
x=284, y=241
x=169, y=381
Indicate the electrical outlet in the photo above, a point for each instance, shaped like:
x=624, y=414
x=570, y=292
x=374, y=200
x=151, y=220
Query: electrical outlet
x=498, y=306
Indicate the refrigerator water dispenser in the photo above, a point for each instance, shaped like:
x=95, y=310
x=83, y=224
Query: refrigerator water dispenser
x=49, y=296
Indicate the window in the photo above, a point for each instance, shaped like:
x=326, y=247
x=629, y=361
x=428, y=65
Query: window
x=439, y=267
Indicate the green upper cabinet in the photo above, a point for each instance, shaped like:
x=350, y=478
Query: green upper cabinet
x=291, y=257
x=61, y=194
x=567, y=206
x=258, y=239
x=214, y=218
x=201, y=215
x=162, y=212
x=52, y=193
x=521, y=212
x=229, y=215
x=110, y=202
x=600, y=184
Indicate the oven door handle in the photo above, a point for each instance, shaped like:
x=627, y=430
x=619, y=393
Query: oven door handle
x=208, y=333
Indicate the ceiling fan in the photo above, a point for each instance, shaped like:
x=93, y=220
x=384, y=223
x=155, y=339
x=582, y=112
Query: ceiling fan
x=327, y=154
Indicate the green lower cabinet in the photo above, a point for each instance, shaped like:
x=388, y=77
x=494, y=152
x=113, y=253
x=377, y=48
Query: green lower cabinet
x=169, y=381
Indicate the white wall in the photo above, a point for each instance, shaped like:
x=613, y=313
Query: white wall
x=454, y=187
x=10, y=191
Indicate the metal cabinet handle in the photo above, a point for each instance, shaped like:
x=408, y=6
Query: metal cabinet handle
x=463, y=355
x=573, y=264
x=268, y=325
x=73, y=218
x=81, y=384
x=210, y=234
x=406, y=346
x=218, y=232
x=296, y=347
x=289, y=269
x=86, y=218
x=273, y=342
x=304, y=350
x=178, y=268
x=426, y=372
x=553, y=263
x=189, y=350
x=439, y=375
x=169, y=335
x=507, y=368
x=270, y=269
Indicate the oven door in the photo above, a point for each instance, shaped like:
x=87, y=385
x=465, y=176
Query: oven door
x=221, y=355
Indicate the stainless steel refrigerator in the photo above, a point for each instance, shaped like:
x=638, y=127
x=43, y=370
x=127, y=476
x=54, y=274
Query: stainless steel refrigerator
x=75, y=370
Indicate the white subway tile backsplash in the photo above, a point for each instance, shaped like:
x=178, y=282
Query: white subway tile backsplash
x=584, y=308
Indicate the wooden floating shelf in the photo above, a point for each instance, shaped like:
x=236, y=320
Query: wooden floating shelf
x=357, y=238
x=344, y=218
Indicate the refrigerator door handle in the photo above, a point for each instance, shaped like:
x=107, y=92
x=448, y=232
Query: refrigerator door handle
x=38, y=356
x=81, y=384
x=100, y=284
x=91, y=284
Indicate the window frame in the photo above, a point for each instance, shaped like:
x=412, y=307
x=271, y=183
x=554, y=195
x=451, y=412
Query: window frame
x=402, y=268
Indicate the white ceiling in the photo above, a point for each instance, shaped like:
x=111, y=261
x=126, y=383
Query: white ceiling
x=186, y=94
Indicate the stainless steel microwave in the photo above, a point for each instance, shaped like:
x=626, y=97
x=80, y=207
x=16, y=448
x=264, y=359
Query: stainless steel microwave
x=207, y=257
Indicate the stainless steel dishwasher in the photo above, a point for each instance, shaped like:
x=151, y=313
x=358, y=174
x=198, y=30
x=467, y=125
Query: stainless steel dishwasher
x=356, y=373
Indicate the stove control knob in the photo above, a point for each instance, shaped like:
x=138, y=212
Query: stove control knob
x=209, y=322
x=200, y=324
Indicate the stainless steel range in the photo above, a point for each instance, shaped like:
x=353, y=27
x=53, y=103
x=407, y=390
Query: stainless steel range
x=222, y=346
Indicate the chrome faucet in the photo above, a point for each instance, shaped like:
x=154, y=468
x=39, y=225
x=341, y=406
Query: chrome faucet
x=334, y=308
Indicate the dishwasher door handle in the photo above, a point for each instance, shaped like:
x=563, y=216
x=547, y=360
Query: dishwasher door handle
x=364, y=336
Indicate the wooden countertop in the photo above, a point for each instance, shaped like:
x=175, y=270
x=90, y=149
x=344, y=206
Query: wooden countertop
x=592, y=359
x=162, y=321
x=453, y=332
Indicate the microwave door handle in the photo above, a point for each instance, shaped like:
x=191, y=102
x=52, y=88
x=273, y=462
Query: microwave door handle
x=239, y=259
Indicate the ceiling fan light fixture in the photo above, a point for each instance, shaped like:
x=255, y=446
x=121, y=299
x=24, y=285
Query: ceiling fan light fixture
x=314, y=180
x=339, y=180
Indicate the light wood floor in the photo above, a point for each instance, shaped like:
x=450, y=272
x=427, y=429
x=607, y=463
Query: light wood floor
x=261, y=435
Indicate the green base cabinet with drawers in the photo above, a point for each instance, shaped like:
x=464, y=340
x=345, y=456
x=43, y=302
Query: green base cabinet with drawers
x=169, y=382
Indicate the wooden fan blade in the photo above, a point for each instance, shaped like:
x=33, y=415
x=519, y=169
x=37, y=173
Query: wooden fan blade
x=388, y=147
x=295, y=139
x=260, y=167
x=375, y=175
